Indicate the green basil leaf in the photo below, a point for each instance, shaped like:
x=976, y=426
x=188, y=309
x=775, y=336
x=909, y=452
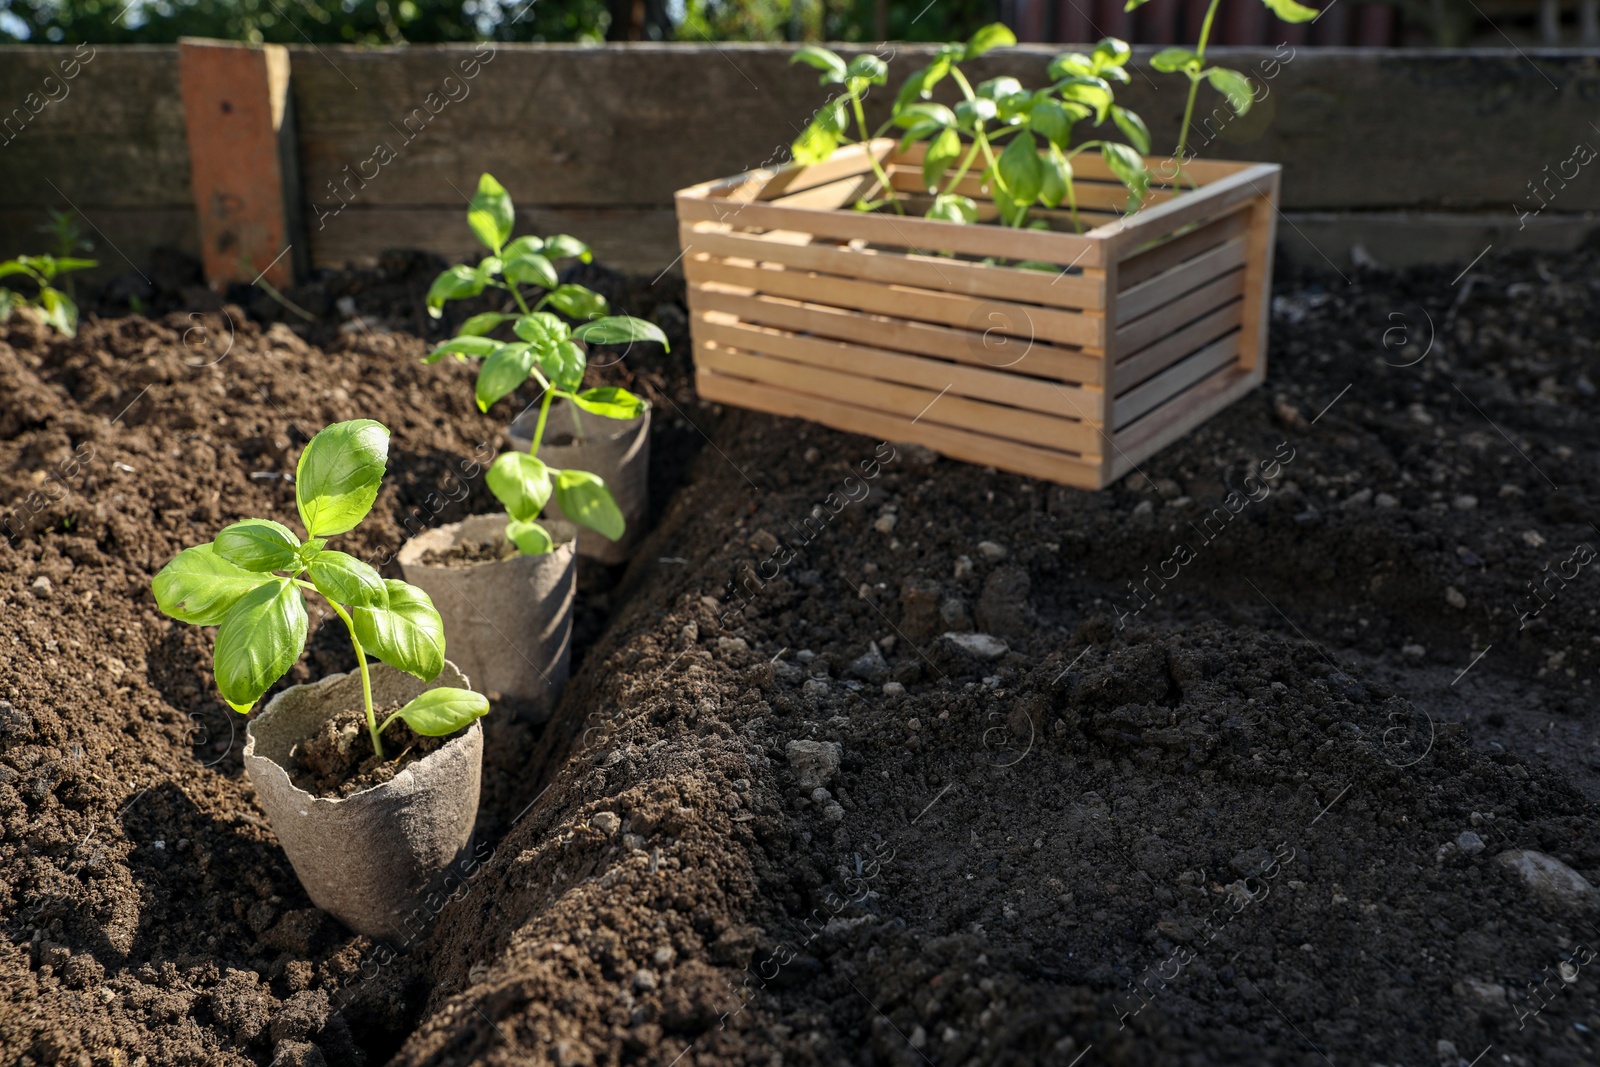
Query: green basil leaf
x=620, y=330
x=584, y=498
x=821, y=136
x=1052, y=122
x=577, y=301
x=258, y=545
x=198, y=586
x=560, y=246
x=259, y=640
x=1056, y=173
x=1129, y=168
x=457, y=283
x=348, y=581
x=920, y=85
x=407, y=634
x=490, y=214
x=1110, y=52
x=464, y=346
x=337, y=478
x=480, y=324
x=1093, y=92
x=1172, y=59
x=523, y=246
x=998, y=89
x=564, y=366
x=609, y=402
x=953, y=208
x=530, y=268
x=971, y=112
x=1289, y=11
x=59, y=311
x=832, y=67
x=943, y=150
x=1234, y=86
x=994, y=35
x=441, y=712
x=530, y=538
x=1135, y=4
x=869, y=68
x=1133, y=128
x=1021, y=170
x=501, y=374
x=923, y=112
x=1071, y=65
x=521, y=482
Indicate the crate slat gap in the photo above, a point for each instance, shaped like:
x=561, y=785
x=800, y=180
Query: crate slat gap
x=905, y=328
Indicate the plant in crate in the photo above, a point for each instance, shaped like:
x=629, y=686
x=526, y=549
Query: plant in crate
x=1022, y=141
x=357, y=853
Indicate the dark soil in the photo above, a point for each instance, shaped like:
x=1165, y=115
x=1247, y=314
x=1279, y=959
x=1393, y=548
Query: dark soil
x=470, y=554
x=1254, y=807
x=338, y=761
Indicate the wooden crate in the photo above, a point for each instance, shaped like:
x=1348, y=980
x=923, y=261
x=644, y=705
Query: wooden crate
x=893, y=326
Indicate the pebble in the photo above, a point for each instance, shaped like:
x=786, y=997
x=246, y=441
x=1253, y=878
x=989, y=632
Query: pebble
x=1532, y=538
x=886, y=523
x=606, y=822
x=1356, y=499
x=644, y=980
x=1552, y=881
x=814, y=689
x=814, y=762
x=893, y=689
x=832, y=812
x=871, y=666
x=1413, y=652
x=1454, y=598
x=1144, y=510
x=1469, y=842
x=1385, y=500
x=963, y=567
x=991, y=550
x=732, y=644
x=40, y=587
x=1464, y=502
x=1483, y=994
x=984, y=646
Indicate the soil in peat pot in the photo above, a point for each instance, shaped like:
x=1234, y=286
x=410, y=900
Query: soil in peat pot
x=339, y=761
x=939, y=784
x=470, y=554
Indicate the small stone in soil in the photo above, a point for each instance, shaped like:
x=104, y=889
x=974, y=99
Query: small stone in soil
x=338, y=760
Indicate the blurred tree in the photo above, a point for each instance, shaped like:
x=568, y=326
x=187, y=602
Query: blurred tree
x=426, y=21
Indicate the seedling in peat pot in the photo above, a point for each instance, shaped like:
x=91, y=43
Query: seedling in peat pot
x=248, y=584
x=547, y=350
x=52, y=306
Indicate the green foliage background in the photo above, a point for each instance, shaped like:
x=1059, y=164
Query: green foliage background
x=429, y=21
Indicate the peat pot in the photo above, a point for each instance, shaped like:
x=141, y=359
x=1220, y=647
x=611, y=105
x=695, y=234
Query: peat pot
x=509, y=621
x=1135, y=330
x=618, y=450
x=368, y=859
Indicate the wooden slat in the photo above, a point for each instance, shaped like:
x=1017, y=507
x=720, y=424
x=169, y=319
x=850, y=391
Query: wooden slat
x=950, y=309
x=1258, y=278
x=903, y=232
x=1175, y=379
x=1093, y=165
x=1164, y=288
x=949, y=441
x=1153, y=358
x=961, y=346
x=1172, y=317
x=1084, y=291
x=1090, y=194
x=1012, y=386
x=1214, y=200
x=1151, y=261
x=1176, y=418
x=1028, y=427
x=850, y=161
x=831, y=196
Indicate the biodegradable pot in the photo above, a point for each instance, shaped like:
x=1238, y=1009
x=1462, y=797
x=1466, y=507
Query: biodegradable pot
x=367, y=859
x=508, y=623
x=618, y=450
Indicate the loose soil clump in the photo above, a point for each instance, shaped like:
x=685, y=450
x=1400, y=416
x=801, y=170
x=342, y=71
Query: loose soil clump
x=339, y=761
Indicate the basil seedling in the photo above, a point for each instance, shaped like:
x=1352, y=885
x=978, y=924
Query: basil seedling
x=547, y=350
x=1192, y=63
x=249, y=582
x=52, y=305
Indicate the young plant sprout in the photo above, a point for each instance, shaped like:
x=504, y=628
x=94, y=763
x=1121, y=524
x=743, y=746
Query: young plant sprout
x=1192, y=63
x=1021, y=140
x=546, y=350
x=248, y=583
x=54, y=307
